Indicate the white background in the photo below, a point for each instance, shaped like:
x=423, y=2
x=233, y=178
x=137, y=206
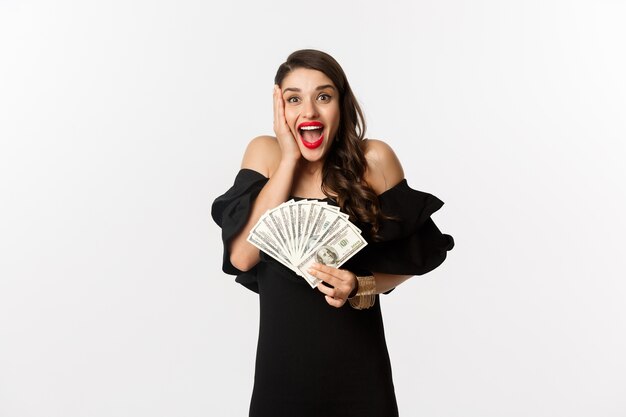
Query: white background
x=121, y=121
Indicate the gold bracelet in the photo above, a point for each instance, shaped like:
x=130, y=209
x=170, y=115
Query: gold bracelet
x=366, y=295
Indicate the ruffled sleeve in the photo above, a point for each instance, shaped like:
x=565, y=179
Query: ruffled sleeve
x=410, y=243
x=230, y=211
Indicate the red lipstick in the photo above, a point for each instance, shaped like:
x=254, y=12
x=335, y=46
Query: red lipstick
x=317, y=142
x=305, y=124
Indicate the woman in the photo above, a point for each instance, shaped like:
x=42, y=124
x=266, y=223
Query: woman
x=318, y=355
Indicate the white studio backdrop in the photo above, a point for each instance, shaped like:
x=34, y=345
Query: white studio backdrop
x=121, y=121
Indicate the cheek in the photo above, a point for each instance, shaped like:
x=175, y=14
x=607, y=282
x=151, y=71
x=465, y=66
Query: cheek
x=334, y=115
x=336, y=121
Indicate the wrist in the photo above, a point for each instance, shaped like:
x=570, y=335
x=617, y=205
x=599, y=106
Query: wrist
x=355, y=290
x=288, y=163
x=365, y=296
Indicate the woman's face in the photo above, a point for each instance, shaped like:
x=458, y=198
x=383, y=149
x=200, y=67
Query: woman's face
x=311, y=102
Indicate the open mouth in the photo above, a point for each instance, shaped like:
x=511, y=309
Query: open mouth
x=311, y=134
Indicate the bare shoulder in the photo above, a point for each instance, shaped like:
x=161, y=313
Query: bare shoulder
x=383, y=166
x=262, y=155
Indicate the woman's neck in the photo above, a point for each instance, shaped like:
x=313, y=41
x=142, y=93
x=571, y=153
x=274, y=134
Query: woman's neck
x=310, y=170
x=308, y=179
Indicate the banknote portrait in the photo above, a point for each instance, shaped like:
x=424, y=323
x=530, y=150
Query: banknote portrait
x=326, y=255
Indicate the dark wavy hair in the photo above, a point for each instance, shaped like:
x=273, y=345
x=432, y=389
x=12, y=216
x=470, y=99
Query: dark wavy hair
x=344, y=168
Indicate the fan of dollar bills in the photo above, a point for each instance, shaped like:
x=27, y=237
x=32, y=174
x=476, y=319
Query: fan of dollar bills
x=299, y=233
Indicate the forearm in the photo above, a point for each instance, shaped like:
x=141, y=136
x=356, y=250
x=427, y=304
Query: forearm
x=244, y=255
x=385, y=282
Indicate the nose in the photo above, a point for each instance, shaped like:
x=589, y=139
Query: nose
x=309, y=109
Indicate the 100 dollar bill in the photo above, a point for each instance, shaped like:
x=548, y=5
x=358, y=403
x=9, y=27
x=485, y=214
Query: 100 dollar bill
x=333, y=251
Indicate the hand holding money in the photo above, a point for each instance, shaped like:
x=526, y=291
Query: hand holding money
x=300, y=233
x=342, y=282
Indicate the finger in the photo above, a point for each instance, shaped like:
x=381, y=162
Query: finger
x=341, y=274
x=275, y=103
x=325, y=268
x=342, y=290
x=281, y=108
x=325, y=276
x=329, y=291
x=334, y=302
x=280, y=123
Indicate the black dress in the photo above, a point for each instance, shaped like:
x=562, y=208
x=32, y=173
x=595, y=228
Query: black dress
x=314, y=359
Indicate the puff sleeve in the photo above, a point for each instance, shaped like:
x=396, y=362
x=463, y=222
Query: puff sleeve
x=231, y=211
x=410, y=243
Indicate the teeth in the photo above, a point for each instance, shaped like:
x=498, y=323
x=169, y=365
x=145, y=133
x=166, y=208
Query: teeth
x=311, y=127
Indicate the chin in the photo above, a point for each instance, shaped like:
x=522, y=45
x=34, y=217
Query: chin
x=313, y=158
x=314, y=155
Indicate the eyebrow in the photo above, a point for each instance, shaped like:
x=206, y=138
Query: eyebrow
x=297, y=90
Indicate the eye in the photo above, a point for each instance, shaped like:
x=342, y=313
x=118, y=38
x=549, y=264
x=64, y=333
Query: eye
x=326, y=97
x=292, y=99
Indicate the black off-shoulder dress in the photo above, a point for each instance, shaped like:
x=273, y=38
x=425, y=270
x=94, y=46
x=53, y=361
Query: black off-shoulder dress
x=314, y=359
